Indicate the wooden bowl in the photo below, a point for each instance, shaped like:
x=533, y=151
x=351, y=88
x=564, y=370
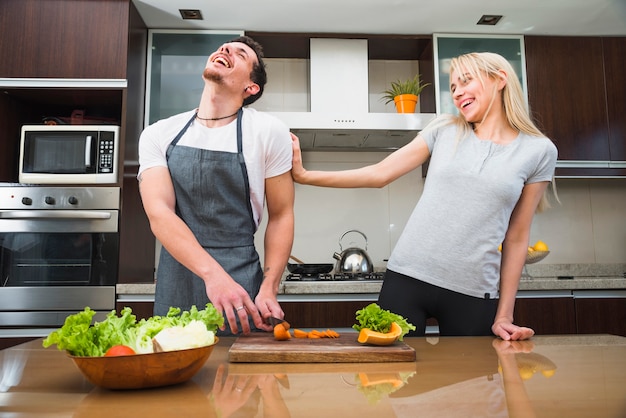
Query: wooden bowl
x=140, y=371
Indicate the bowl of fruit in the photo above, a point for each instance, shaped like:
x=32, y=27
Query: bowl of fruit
x=537, y=252
x=122, y=353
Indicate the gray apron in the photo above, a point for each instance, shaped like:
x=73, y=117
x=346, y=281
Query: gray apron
x=213, y=199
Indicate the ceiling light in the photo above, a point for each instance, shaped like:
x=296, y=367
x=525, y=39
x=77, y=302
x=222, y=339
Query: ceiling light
x=193, y=14
x=489, y=20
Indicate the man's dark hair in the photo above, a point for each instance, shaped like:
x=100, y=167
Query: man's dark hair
x=258, y=74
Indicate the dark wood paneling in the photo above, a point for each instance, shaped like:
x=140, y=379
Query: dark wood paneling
x=546, y=315
x=137, y=243
x=9, y=138
x=10, y=342
x=142, y=310
x=601, y=316
x=322, y=314
x=567, y=94
x=380, y=47
x=614, y=57
x=64, y=38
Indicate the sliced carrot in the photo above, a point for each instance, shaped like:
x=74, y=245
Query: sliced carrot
x=280, y=333
x=298, y=333
x=332, y=333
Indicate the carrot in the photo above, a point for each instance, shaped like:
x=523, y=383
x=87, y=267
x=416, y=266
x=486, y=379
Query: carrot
x=332, y=333
x=298, y=333
x=315, y=334
x=281, y=333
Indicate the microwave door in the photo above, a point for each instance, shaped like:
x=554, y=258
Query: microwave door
x=88, y=143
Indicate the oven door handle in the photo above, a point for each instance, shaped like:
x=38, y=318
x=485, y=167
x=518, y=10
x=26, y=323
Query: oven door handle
x=54, y=214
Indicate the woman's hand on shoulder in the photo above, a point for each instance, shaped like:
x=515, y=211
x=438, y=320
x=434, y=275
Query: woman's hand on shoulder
x=511, y=332
x=297, y=169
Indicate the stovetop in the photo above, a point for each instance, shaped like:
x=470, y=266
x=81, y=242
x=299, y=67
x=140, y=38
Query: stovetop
x=340, y=277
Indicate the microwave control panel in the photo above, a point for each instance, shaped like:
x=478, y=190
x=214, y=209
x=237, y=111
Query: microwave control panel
x=106, y=152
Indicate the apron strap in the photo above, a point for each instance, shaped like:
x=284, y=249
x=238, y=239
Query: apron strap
x=178, y=136
x=242, y=163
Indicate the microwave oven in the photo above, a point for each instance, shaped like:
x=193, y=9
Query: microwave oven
x=69, y=154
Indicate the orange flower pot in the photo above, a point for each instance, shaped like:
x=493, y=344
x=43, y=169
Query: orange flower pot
x=405, y=103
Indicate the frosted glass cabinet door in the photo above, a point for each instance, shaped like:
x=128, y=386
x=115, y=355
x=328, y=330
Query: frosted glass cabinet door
x=449, y=46
x=176, y=60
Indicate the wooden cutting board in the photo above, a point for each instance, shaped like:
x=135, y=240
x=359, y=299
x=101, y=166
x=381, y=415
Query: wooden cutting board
x=263, y=348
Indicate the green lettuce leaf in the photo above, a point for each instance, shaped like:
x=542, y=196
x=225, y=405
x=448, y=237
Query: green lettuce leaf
x=377, y=319
x=79, y=338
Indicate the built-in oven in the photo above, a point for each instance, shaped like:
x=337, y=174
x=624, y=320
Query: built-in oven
x=59, y=253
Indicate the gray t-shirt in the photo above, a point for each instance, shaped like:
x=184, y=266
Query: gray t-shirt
x=451, y=239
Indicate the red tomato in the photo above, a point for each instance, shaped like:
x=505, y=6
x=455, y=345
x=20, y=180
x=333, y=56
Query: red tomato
x=119, y=350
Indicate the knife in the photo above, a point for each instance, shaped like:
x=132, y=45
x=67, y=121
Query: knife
x=273, y=321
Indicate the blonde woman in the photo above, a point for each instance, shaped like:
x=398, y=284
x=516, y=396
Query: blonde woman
x=489, y=170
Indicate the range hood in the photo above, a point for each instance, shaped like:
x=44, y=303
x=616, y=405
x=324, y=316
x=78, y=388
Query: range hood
x=342, y=121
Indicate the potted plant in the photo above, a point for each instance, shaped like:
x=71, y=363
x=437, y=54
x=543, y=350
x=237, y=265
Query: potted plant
x=405, y=94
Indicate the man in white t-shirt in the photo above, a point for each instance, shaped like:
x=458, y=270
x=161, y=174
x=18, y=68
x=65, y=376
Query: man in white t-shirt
x=204, y=178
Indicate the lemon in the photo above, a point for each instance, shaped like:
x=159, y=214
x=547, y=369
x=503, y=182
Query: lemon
x=540, y=246
x=500, y=247
x=526, y=372
x=530, y=249
x=548, y=373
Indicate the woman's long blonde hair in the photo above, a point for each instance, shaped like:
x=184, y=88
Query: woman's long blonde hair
x=479, y=65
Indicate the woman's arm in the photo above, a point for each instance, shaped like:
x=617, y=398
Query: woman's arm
x=514, y=250
x=400, y=162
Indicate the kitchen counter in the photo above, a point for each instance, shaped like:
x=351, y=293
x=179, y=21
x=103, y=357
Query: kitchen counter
x=548, y=376
x=540, y=277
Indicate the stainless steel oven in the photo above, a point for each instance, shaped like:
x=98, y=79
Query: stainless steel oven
x=59, y=252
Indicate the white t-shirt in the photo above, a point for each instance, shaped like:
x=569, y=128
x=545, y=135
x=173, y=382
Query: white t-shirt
x=451, y=239
x=266, y=147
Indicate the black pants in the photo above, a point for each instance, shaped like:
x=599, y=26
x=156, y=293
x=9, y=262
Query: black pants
x=456, y=314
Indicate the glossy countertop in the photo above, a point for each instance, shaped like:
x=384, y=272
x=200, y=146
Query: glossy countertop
x=548, y=376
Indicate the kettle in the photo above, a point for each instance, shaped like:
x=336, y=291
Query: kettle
x=353, y=260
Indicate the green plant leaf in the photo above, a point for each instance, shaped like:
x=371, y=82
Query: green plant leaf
x=411, y=86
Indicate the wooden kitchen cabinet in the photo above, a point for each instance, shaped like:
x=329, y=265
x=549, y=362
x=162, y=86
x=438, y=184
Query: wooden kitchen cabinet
x=11, y=342
x=601, y=316
x=142, y=310
x=577, y=97
x=549, y=315
x=63, y=39
x=614, y=52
